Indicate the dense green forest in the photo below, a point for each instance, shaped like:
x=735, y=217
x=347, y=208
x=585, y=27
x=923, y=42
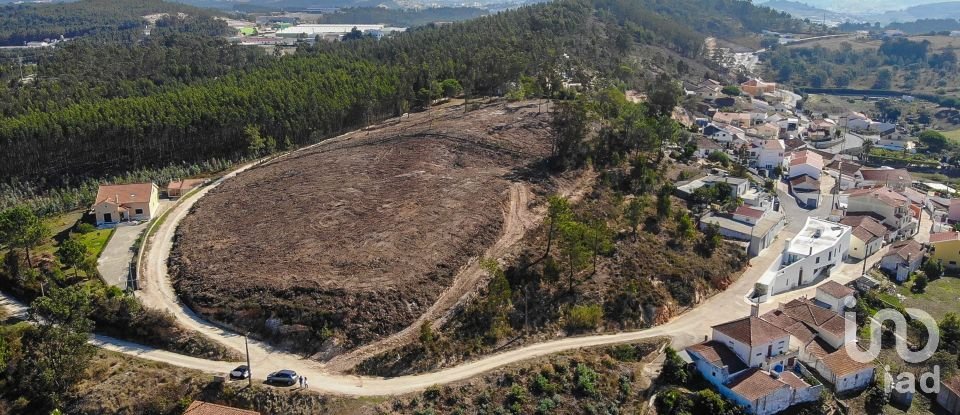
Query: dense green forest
x=21, y=23
x=336, y=86
x=402, y=17
x=179, y=51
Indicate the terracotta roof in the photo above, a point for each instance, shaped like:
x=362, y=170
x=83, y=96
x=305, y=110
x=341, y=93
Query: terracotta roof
x=793, y=380
x=744, y=210
x=864, y=223
x=706, y=143
x=816, y=317
x=878, y=218
x=944, y=236
x=206, y=408
x=751, y=331
x=185, y=184
x=835, y=289
x=808, y=157
x=906, y=249
x=756, y=384
x=886, y=175
x=802, y=179
x=913, y=195
x=846, y=167
x=125, y=193
x=882, y=193
x=818, y=348
x=719, y=355
x=773, y=145
x=841, y=364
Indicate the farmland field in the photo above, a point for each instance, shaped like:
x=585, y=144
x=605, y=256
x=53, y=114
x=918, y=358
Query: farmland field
x=352, y=240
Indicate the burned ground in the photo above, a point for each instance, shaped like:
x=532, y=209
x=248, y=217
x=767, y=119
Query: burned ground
x=340, y=244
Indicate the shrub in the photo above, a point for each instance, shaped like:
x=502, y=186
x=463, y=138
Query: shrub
x=674, y=369
x=586, y=380
x=546, y=406
x=517, y=395
x=583, y=317
x=542, y=386
x=84, y=227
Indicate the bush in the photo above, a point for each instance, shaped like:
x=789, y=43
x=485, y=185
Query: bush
x=546, y=406
x=542, y=386
x=84, y=227
x=674, y=369
x=584, y=317
x=586, y=380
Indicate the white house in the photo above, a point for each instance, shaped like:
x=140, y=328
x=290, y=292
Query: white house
x=811, y=254
x=834, y=295
x=756, y=342
x=806, y=162
x=902, y=258
x=758, y=227
x=125, y=202
x=867, y=237
x=845, y=373
x=705, y=146
x=769, y=154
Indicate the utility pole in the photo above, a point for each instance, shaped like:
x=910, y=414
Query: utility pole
x=249, y=369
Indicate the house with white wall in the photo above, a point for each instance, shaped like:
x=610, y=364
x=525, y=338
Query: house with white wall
x=903, y=258
x=818, y=248
x=805, y=162
x=768, y=154
x=885, y=203
x=834, y=296
x=126, y=202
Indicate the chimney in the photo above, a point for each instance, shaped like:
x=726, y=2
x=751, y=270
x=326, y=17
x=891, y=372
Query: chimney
x=754, y=310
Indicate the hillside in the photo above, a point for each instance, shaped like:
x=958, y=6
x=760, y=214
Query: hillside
x=21, y=23
x=387, y=218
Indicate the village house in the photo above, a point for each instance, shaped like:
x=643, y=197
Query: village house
x=757, y=227
x=756, y=88
x=896, y=179
x=811, y=254
x=945, y=248
x=902, y=258
x=845, y=373
x=707, y=89
x=736, y=119
x=177, y=188
x=705, y=146
x=738, y=186
x=883, y=202
x=806, y=162
x=953, y=210
x=867, y=237
x=769, y=154
x=126, y=202
x=833, y=296
x=844, y=171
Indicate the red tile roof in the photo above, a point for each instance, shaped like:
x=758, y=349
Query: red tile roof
x=866, y=225
x=793, y=380
x=835, y=289
x=882, y=193
x=749, y=212
x=841, y=364
x=886, y=175
x=206, y=408
x=122, y=194
x=756, y=384
x=816, y=317
x=719, y=355
x=908, y=249
x=944, y=236
x=751, y=331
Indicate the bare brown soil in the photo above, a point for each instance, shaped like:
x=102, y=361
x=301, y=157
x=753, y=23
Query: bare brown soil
x=355, y=239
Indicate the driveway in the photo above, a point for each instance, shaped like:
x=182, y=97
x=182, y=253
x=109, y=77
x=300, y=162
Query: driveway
x=114, y=261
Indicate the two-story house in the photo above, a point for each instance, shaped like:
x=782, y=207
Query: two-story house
x=885, y=203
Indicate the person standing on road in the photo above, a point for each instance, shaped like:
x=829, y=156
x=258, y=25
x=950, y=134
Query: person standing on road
x=301, y=381
x=305, y=384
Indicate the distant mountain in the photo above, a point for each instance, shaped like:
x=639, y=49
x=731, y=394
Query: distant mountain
x=805, y=11
x=862, y=7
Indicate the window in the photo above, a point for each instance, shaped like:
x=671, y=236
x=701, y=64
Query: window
x=138, y=211
x=818, y=260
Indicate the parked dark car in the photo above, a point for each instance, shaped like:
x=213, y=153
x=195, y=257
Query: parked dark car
x=241, y=372
x=283, y=377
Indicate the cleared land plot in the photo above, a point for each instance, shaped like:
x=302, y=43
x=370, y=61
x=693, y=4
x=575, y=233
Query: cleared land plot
x=939, y=298
x=354, y=239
